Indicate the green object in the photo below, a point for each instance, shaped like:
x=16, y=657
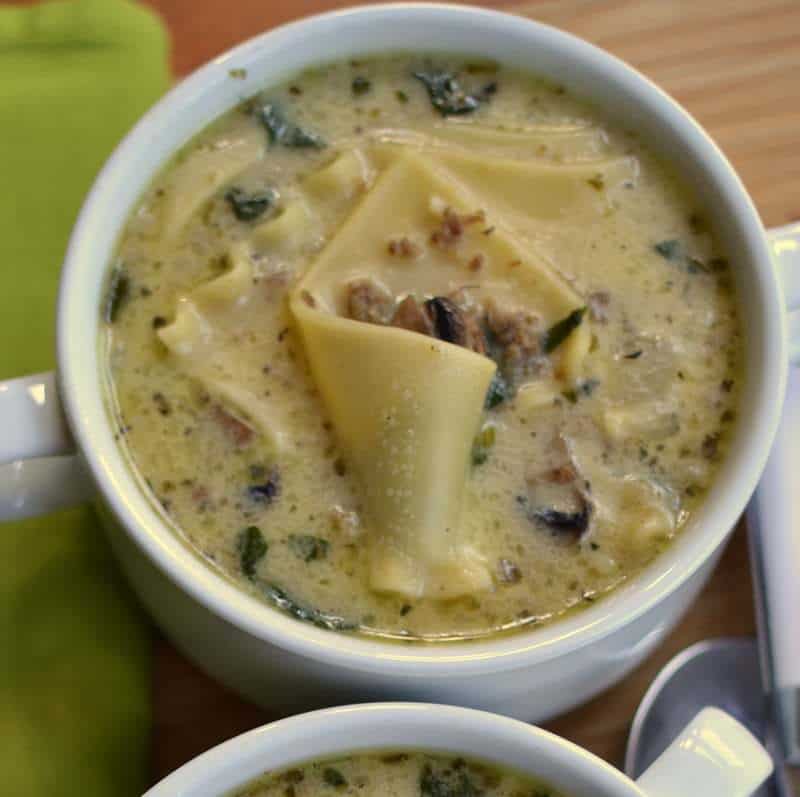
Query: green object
x=74, y=647
x=562, y=329
x=252, y=549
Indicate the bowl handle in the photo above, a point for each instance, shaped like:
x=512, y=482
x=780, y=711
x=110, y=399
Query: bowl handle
x=784, y=243
x=39, y=470
x=714, y=756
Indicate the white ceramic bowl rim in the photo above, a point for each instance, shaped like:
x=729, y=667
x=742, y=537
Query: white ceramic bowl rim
x=494, y=34
x=386, y=726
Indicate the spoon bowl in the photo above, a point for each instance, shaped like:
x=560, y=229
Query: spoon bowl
x=724, y=673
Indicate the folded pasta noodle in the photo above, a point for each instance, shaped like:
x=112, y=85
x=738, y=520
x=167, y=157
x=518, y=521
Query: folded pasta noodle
x=573, y=142
x=205, y=170
x=195, y=341
x=407, y=408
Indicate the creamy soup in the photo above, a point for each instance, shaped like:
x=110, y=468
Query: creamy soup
x=422, y=348
x=397, y=774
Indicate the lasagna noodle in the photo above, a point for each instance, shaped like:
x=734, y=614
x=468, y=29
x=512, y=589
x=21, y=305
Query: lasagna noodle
x=406, y=407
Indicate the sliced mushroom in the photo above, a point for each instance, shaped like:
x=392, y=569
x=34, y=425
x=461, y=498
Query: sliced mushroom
x=447, y=320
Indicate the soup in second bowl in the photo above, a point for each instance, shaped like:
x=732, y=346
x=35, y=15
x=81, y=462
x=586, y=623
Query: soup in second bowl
x=397, y=774
x=423, y=348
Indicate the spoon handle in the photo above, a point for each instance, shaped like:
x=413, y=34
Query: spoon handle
x=714, y=756
x=774, y=526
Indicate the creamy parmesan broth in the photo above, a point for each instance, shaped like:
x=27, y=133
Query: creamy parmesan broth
x=424, y=356
x=397, y=774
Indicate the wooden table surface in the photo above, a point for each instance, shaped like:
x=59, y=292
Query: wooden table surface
x=735, y=64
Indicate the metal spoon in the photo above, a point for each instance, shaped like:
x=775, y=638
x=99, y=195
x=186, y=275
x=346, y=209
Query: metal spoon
x=718, y=672
x=756, y=681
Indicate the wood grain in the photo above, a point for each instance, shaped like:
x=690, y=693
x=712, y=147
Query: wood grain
x=735, y=64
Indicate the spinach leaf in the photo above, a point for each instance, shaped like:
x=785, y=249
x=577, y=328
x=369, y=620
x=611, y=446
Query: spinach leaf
x=285, y=133
x=360, y=85
x=248, y=207
x=674, y=251
x=447, y=95
x=287, y=603
x=118, y=294
x=308, y=547
x=334, y=778
x=482, y=445
x=252, y=547
x=571, y=395
x=562, y=329
x=446, y=783
x=498, y=391
x=669, y=250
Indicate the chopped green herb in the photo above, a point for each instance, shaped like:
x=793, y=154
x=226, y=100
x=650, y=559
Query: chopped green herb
x=360, y=85
x=257, y=472
x=405, y=609
x=285, y=133
x=482, y=444
x=710, y=446
x=562, y=329
x=248, y=207
x=588, y=386
x=570, y=395
x=238, y=74
x=447, y=95
x=718, y=263
x=118, y=294
x=308, y=547
x=401, y=96
x=634, y=355
x=482, y=67
x=284, y=601
x=697, y=223
x=450, y=782
x=162, y=403
x=159, y=321
x=252, y=547
x=498, y=391
x=334, y=778
x=674, y=251
x=394, y=758
x=294, y=776
x=669, y=250
x=597, y=182
x=695, y=266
